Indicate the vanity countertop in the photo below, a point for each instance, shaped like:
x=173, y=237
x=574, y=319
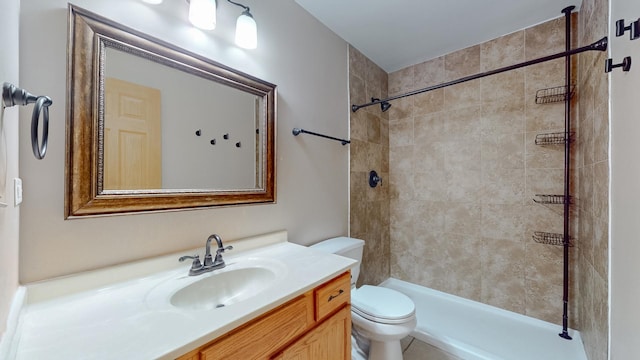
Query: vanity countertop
x=127, y=319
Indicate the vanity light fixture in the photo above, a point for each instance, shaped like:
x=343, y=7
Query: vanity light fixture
x=246, y=29
x=202, y=14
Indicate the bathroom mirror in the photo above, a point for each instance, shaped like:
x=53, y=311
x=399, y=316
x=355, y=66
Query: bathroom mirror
x=152, y=127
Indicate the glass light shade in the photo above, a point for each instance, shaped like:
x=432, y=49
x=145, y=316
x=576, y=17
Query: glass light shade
x=153, y=2
x=246, y=31
x=202, y=14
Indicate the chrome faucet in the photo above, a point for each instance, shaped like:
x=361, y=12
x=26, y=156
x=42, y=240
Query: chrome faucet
x=210, y=263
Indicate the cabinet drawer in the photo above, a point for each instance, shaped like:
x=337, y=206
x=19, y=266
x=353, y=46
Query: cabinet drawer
x=332, y=295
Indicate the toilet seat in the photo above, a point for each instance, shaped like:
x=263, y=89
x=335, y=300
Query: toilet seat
x=382, y=305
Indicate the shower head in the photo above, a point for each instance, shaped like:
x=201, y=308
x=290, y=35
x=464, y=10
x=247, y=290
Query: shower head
x=384, y=105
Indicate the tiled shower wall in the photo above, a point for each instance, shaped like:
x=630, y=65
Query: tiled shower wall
x=369, y=207
x=464, y=170
x=593, y=171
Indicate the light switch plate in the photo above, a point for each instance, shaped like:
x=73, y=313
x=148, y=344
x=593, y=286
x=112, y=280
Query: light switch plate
x=17, y=189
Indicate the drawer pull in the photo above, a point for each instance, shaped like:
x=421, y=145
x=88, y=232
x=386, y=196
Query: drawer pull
x=331, y=297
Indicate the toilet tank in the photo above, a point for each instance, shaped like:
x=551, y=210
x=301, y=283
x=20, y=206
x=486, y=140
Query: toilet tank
x=344, y=246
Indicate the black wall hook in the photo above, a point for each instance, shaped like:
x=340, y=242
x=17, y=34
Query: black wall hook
x=625, y=65
x=633, y=28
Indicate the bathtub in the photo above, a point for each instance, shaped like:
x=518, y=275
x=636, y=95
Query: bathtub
x=474, y=331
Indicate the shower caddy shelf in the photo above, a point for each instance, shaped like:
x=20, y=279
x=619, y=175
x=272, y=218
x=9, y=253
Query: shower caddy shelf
x=555, y=94
x=551, y=199
x=548, y=238
x=556, y=138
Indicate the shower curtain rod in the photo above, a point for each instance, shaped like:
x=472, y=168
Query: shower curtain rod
x=600, y=45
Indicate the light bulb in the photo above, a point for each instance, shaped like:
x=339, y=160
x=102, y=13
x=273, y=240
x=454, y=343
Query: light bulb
x=202, y=14
x=246, y=31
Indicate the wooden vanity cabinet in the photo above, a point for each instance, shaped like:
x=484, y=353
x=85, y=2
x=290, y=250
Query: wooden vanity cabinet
x=314, y=326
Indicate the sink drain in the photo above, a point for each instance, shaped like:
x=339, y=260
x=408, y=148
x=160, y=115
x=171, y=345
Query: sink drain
x=219, y=306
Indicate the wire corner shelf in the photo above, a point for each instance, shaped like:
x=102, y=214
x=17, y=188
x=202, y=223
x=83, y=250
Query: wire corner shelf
x=555, y=138
x=555, y=94
x=548, y=238
x=551, y=199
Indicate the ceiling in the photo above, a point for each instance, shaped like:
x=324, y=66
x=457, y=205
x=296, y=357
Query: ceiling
x=396, y=34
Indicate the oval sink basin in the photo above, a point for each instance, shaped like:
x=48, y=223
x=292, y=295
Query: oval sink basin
x=223, y=289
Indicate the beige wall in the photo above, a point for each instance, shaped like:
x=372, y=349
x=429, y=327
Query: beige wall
x=369, y=216
x=9, y=216
x=591, y=202
x=625, y=198
x=295, y=51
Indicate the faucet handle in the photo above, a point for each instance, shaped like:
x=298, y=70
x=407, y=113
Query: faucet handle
x=196, y=264
x=223, y=249
x=218, y=262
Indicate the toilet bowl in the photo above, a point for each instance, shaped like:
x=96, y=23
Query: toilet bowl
x=383, y=316
x=380, y=316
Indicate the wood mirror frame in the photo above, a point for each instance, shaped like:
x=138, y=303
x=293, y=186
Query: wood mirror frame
x=84, y=195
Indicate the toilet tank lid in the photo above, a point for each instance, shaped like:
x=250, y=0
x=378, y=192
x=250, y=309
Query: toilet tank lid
x=338, y=244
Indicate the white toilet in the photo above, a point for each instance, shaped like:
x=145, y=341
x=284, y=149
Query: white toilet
x=380, y=316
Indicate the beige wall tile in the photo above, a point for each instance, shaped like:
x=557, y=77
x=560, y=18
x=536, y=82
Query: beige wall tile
x=428, y=102
x=429, y=128
x=357, y=92
x=543, y=156
x=503, y=51
x=357, y=63
x=503, y=274
x=502, y=118
x=504, y=222
x=504, y=151
x=463, y=124
x=504, y=87
x=543, y=301
x=400, y=109
x=401, y=81
x=463, y=95
x=503, y=186
x=545, y=39
x=462, y=63
x=429, y=73
x=359, y=125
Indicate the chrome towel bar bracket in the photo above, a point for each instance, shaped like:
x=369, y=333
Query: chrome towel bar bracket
x=12, y=95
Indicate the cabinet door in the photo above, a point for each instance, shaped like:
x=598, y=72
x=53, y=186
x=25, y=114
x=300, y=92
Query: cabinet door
x=263, y=337
x=331, y=340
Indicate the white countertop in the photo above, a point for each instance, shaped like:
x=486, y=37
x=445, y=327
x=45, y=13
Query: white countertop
x=133, y=319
